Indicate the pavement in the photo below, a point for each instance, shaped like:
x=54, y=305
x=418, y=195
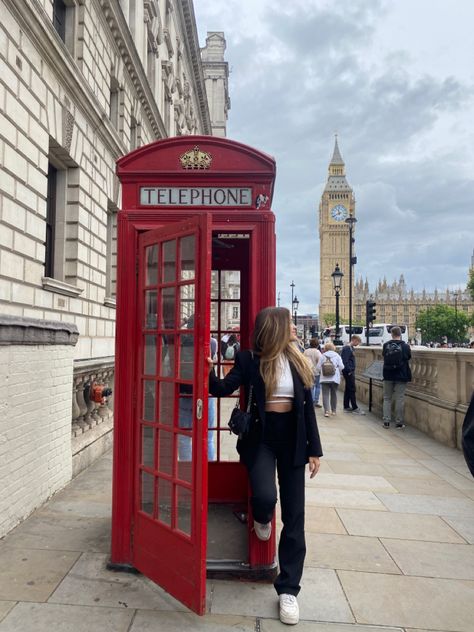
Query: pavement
x=390, y=535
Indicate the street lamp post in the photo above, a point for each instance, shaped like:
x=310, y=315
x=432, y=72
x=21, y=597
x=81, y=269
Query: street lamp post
x=351, y=220
x=455, y=295
x=337, y=280
x=295, y=304
x=278, y=299
x=292, y=285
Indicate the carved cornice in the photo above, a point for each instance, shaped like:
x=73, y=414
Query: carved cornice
x=185, y=11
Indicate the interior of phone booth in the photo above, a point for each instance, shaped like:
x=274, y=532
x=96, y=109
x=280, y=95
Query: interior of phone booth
x=228, y=528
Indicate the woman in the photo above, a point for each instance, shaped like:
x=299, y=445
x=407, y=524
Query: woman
x=283, y=432
x=314, y=354
x=330, y=366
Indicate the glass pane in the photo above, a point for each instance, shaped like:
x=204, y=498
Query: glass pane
x=185, y=454
x=149, y=396
x=230, y=284
x=169, y=261
x=227, y=447
x=166, y=411
x=148, y=446
x=165, y=489
x=214, y=284
x=150, y=355
x=214, y=313
x=185, y=413
x=188, y=257
x=185, y=499
x=168, y=302
x=186, y=306
x=186, y=361
x=230, y=316
x=150, y=309
x=147, y=484
x=167, y=356
x=152, y=265
x=211, y=434
x=165, y=452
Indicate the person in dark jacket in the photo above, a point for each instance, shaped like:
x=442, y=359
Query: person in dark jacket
x=348, y=358
x=283, y=433
x=468, y=436
x=396, y=374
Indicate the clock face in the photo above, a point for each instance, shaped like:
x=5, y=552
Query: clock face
x=339, y=213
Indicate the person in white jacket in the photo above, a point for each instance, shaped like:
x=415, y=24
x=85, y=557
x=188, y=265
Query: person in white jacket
x=330, y=366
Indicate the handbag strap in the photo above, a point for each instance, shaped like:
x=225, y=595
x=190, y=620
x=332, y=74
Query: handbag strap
x=249, y=404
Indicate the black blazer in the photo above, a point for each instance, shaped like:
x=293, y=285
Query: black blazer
x=246, y=372
x=468, y=436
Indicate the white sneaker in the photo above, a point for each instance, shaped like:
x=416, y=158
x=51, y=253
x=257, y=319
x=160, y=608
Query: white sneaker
x=289, y=610
x=262, y=531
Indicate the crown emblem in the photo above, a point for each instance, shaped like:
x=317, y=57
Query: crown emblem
x=196, y=159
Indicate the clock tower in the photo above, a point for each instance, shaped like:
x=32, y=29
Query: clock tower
x=337, y=204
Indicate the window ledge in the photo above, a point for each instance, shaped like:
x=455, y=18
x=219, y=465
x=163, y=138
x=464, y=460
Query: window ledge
x=54, y=285
x=109, y=301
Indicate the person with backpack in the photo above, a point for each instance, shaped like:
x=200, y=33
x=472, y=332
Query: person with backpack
x=330, y=366
x=314, y=354
x=396, y=375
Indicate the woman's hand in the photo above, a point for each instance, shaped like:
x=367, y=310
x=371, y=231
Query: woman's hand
x=314, y=464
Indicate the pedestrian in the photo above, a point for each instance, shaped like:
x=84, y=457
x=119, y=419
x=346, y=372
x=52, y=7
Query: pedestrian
x=468, y=436
x=283, y=433
x=313, y=354
x=330, y=366
x=349, y=360
x=396, y=374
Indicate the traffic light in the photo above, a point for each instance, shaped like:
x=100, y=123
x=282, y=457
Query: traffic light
x=370, y=311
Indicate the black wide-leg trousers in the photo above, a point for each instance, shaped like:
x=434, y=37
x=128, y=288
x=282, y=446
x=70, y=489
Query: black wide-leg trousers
x=277, y=448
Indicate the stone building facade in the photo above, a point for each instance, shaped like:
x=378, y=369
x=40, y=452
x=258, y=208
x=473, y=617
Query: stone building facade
x=398, y=304
x=337, y=204
x=82, y=83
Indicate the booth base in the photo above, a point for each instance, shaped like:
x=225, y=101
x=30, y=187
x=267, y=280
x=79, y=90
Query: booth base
x=227, y=545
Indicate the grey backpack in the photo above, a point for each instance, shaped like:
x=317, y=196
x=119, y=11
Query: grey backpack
x=327, y=368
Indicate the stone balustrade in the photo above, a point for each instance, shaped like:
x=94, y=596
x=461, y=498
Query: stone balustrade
x=439, y=394
x=92, y=422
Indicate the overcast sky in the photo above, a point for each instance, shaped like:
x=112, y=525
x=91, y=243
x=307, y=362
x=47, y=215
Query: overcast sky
x=395, y=79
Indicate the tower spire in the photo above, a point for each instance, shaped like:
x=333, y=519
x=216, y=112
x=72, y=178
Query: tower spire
x=336, y=156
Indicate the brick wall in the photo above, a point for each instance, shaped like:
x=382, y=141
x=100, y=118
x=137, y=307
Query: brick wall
x=35, y=427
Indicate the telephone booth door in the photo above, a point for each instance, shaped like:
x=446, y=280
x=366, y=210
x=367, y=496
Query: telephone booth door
x=170, y=513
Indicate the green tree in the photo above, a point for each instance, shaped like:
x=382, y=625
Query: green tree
x=470, y=283
x=442, y=321
x=329, y=319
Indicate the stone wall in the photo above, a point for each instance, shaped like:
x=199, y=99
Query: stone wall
x=438, y=396
x=36, y=370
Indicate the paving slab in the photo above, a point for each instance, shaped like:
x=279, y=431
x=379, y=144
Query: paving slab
x=339, y=455
x=321, y=598
x=432, y=559
x=417, y=602
x=428, y=487
x=353, y=481
x=411, y=471
x=90, y=584
x=448, y=474
x=71, y=532
x=381, y=524
x=32, y=575
x=5, y=607
x=324, y=497
x=146, y=621
x=384, y=459
x=348, y=552
x=311, y=626
x=464, y=526
x=45, y=617
x=436, y=505
x=353, y=467
x=322, y=520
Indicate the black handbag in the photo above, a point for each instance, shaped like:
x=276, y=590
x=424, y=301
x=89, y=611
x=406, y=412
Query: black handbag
x=240, y=420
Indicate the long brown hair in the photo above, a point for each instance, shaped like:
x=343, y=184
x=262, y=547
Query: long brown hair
x=271, y=338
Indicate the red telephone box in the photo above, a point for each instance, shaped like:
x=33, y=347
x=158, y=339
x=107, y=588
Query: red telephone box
x=196, y=262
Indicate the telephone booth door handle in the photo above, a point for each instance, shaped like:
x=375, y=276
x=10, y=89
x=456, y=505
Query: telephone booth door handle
x=199, y=409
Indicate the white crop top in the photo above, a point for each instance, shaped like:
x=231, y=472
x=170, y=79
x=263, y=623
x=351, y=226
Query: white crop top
x=284, y=387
